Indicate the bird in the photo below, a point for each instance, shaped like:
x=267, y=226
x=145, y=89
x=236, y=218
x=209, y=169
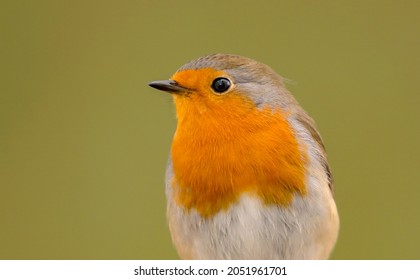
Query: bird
x=247, y=175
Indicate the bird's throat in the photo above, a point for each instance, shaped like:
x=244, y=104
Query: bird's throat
x=217, y=157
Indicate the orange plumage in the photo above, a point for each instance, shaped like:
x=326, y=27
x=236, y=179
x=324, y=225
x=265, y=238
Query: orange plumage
x=217, y=155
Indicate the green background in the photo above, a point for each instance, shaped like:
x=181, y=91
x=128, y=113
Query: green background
x=84, y=141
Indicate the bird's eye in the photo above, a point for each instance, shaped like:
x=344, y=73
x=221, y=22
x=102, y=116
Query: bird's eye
x=220, y=85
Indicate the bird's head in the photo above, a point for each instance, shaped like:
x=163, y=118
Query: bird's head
x=227, y=85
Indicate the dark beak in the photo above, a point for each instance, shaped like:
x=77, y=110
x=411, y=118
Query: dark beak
x=170, y=86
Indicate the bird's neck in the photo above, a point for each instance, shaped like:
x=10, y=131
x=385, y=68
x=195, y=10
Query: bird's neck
x=218, y=157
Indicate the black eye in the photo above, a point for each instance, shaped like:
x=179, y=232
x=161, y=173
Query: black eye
x=220, y=85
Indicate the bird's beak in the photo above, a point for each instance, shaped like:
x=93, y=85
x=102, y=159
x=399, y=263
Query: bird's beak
x=170, y=86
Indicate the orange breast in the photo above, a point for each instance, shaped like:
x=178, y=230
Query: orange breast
x=224, y=149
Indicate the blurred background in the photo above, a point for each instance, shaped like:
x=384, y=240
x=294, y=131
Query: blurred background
x=84, y=141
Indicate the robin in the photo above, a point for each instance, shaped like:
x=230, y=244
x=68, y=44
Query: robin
x=248, y=176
